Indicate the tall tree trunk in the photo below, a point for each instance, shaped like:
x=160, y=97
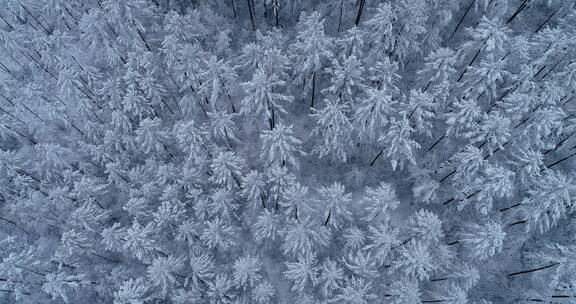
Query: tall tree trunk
x=271, y=109
x=545, y=21
x=340, y=15
x=234, y=9
x=376, y=158
x=560, y=160
x=533, y=270
x=518, y=10
x=277, y=12
x=328, y=217
x=251, y=15
x=313, y=89
x=462, y=19
x=360, y=10
x=34, y=17
x=471, y=62
x=436, y=142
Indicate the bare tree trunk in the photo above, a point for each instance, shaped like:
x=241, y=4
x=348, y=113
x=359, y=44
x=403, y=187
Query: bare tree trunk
x=533, y=270
x=234, y=9
x=560, y=160
x=360, y=10
x=545, y=21
x=251, y=15
x=313, y=89
x=340, y=16
x=520, y=8
x=376, y=158
x=277, y=12
x=328, y=217
x=462, y=19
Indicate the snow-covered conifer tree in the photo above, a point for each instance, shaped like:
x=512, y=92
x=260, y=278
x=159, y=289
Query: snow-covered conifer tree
x=380, y=200
x=484, y=240
x=280, y=147
x=335, y=130
x=399, y=146
x=549, y=200
x=303, y=273
x=415, y=261
x=312, y=51
x=262, y=98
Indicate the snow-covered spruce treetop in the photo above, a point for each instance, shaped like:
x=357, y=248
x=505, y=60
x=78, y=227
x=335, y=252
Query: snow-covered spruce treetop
x=287, y=151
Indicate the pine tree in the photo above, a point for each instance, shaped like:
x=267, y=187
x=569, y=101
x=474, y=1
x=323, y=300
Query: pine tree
x=218, y=79
x=266, y=226
x=381, y=25
x=415, y=261
x=246, y=271
x=552, y=196
x=413, y=16
x=252, y=56
x=262, y=97
x=494, y=131
x=280, y=146
x=312, y=51
x=463, y=116
x=356, y=291
x=405, y=291
x=222, y=204
x=384, y=75
x=399, y=145
x=190, y=137
x=382, y=239
x=139, y=241
x=438, y=66
x=253, y=188
x=489, y=35
x=226, y=167
x=496, y=182
x=484, y=240
x=337, y=203
x=420, y=109
x=262, y=293
x=467, y=163
x=295, y=199
x=453, y=294
x=352, y=43
x=354, y=238
x=222, y=126
x=346, y=79
x=380, y=200
x=303, y=273
x=373, y=113
x=57, y=284
x=302, y=236
x=334, y=129
x=486, y=76
x=219, y=290
x=132, y=292
x=530, y=163
x=426, y=225
x=218, y=234
x=202, y=269
x=152, y=136
x=331, y=276
x=162, y=272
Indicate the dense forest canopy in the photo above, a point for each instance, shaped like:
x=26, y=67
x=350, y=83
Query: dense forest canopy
x=287, y=151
